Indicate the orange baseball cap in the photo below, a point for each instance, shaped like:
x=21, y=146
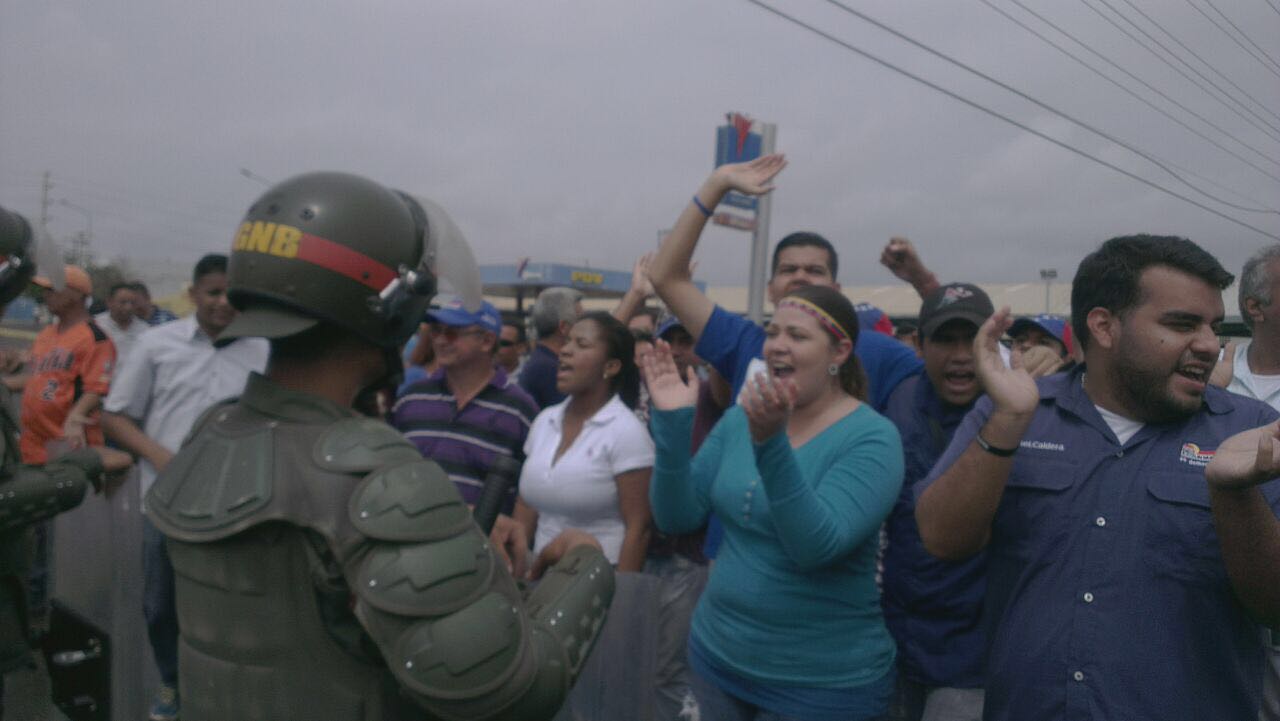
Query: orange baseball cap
x=76, y=279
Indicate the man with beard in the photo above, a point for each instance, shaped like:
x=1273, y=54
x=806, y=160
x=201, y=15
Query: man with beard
x=1121, y=584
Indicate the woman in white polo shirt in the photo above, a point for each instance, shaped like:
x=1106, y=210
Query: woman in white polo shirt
x=588, y=459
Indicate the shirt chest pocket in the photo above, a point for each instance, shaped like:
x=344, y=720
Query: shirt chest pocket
x=1036, y=513
x=1180, y=541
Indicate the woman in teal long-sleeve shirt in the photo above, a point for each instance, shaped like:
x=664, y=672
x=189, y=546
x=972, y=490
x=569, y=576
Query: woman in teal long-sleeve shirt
x=802, y=474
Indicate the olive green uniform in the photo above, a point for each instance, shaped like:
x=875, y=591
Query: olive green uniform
x=28, y=495
x=324, y=570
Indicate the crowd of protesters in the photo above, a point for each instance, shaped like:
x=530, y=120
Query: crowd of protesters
x=965, y=516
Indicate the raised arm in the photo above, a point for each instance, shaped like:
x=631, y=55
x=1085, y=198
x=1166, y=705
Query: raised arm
x=901, y=258
x=677, y=493
x=1248, y=530
x=955, y=512
x=669, y=270
x=640, y=290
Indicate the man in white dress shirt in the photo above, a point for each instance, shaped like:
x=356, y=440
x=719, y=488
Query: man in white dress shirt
x=118, y=320
x=175, y=373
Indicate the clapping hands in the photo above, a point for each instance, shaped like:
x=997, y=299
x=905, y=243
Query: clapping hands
x=768, y=403
x=667, y=391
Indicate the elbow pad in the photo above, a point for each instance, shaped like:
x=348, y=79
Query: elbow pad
x=33, y=494
x=448, y=617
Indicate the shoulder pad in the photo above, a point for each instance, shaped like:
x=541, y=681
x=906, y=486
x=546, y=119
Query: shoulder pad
x=427, y=579
x=216, y=484
x=359, y=445
x=462, y=659
x=209, y=413
x=412, y=501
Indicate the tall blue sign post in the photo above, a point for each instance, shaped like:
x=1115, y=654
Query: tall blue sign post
x=740, y=140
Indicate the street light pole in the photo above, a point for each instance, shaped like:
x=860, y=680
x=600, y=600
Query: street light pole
x=80, y=244
x=1048, y=275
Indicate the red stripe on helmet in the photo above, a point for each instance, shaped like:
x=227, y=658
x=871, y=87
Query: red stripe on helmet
x=344, y=261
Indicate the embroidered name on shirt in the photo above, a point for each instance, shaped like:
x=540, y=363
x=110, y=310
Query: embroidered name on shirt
x=1043, y=446
x=1191, y=454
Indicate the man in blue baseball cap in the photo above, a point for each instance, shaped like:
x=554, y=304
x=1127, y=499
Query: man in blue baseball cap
x=1045, y=329
x=469, y=412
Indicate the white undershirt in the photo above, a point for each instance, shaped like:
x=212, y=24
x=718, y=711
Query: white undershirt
x=1124, y=428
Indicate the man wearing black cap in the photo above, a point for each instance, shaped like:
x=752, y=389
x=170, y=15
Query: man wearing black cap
x=932, y=607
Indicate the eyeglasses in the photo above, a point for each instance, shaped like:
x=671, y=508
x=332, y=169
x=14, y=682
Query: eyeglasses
x=452, y=333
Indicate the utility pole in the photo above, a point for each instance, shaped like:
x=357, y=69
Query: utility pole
x=45, y=187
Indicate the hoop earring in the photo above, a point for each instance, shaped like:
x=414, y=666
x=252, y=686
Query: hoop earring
x=833, y=369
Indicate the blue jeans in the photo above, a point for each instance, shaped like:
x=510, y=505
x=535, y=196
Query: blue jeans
x=714, y=704
x=159, y=603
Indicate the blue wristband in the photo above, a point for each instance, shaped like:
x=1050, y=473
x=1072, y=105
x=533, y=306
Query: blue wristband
x=703, y=208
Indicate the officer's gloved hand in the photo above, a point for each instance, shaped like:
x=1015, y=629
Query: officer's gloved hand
x=89, y=462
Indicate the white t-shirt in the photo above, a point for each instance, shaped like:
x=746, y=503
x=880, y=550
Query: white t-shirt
x=579, y=490
x=122, y=338
x=1247, y=383
x=1124, y=428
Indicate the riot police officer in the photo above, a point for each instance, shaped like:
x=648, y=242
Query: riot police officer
x=28, y=494
x=324, y=569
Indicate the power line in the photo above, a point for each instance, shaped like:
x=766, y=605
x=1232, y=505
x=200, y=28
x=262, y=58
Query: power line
x=1062, y=114
x=1147, y=102
x=1178, y=57
x=1197, y=56
x=1274, y=6
x=1151, y=87
x=1243, y=35
x=977, y=106
x=1175, y=68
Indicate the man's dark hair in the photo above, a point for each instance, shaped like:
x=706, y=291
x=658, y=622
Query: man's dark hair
x=211, y=263
x=1108, y=277
x=521, y=336
x=802, y=239
x=117, y=287
x=139, y=287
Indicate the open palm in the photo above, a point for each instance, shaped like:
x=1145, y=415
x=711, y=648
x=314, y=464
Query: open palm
x=751, y=177
x=1247, y=458
x=1011, y=389
x=667, y=391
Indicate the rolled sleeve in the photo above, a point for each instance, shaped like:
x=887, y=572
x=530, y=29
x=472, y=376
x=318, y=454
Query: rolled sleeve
x=130, y=393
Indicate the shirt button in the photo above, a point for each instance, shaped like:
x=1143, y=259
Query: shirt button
x=1078, y=676
x=1101, y=521
x=1088, y=597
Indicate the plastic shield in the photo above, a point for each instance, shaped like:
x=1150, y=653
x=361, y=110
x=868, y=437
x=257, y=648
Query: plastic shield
x=454, y=264
x=48, y=258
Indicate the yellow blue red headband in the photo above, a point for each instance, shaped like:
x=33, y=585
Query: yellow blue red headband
x=824, y=318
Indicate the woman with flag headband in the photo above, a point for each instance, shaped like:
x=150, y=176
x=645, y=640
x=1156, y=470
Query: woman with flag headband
x=802, y=473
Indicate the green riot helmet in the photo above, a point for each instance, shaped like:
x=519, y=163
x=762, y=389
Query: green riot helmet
x=335, y=248
x=17, y=256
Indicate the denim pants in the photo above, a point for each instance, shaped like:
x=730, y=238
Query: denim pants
x=158, y=603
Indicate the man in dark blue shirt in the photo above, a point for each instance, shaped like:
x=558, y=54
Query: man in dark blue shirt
x=933, y=607
x=553, y=313
x=1122, y=582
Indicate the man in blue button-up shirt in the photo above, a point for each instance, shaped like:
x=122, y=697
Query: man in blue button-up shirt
x=1122, y=583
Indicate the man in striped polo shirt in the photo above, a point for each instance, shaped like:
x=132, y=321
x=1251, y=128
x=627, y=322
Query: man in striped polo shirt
x=468, y=412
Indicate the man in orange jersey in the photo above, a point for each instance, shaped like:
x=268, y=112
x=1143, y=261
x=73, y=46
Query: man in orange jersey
x=70, y=373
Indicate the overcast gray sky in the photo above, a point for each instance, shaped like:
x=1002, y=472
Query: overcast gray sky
x=574, y=131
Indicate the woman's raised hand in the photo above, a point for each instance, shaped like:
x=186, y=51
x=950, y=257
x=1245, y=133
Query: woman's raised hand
x=667, y=391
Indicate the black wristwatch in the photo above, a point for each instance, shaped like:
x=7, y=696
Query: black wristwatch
x=1001, y=452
